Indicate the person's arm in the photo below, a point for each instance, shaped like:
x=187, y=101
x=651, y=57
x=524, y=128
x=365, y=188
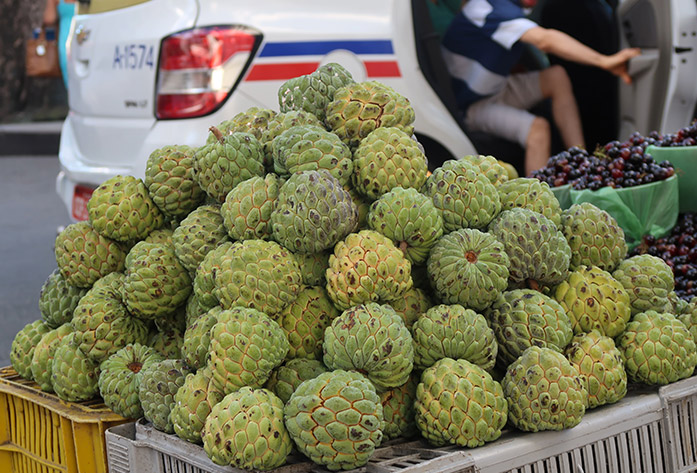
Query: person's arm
x=50, y=12
x=561, y=44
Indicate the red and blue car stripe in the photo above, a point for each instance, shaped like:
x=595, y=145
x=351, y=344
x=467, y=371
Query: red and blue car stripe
x=273, y=60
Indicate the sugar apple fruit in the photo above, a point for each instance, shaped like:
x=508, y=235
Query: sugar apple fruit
x=532, y=194
x=169, y=178
x=544, y=391
x=522, y=318
x=23, y=346
x=648, y=280
x=280, y=123
x=120, y=378
x=198, y=233
x=246, y=345
x=411, y=305
x=489, y=166
x=247, y=208
x=58, y=300
x=74, y=376
x=193, y=403
x=286, y=378
x=373, y=340
x=367, y=267
x=398, y=410
x=467, y=198
x=197, y=339
x=593, y=299
x=458, y=403
x=159, y=383
x=44, y=352
x=657, y=349
x=245, y=430
x=468, y=267
x=600, y=363
x=313, y=212
x=83, y=255
x=336, y=419
x=594, y=236
x=409, y=219
x=451, y=331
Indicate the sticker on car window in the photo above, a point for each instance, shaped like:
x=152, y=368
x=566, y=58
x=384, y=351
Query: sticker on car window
x=134, y=56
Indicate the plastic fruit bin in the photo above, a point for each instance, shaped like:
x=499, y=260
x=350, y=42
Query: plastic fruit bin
x=684, y=160
x=138, y=447
x=41, y=433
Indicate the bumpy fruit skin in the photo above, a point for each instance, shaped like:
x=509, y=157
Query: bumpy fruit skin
x=367, y=267
x=313, y=212
x=688, y=316
x=522, y=318
x=159, y=382
x=385, y=159
x=458, y=403
x=594, y=236
x=193, y=403
x=544, y=391
x=245, y=430
x=530, y=193
x=657, y=349
x=204, y=281
x=594, y=300
x=225, y=162
x=398, y=410
x=286, y=378
x=83, y=255
x=468, y=267
x=280, y=123
x=169, y=178
x=156, y=283
x=255, y=121
x=200, y=232
x=311, y=148
x=121, y=209
x=536, y=249
x=74, y=376
x=312, y=92
x=360, y=108
x=600, y=363
x=336, y=419
x=489, y=166
x=42, y=360
x=103, y=325
x=410, y=306
x=304, y=321
x=58, y=300
x=167, y=341
x=409, y=219
x=451, y=331
x=247, y=208
x=120, y=377
x=197, y=339
x=23, y=346
x=246, y=345
x=467, y=198
x=373, y=340
x=313, y=267
x=258, y=274
x=648, y=280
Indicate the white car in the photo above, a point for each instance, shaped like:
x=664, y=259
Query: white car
x=148, y=73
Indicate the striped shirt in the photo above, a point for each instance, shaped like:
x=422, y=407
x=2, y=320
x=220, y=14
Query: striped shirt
x=481, y=47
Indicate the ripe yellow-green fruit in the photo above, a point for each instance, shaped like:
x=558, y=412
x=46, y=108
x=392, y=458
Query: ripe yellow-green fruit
x=458, y=403
x=398, y=410
x=336, y=419
x=245, y=430
x=544, y=391
x=367, y=267
x=648, y=280
x=530, y=193
x=193, y=403
x=600, y=363
x=657, y=349
x=594, y=300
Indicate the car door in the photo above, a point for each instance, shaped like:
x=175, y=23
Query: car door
x=663, y=93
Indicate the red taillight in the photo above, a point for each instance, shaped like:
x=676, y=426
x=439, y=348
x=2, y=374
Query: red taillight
x=198, y=69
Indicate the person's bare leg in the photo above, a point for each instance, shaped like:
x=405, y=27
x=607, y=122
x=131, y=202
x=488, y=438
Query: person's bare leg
x=537, y=145
x=555, y=84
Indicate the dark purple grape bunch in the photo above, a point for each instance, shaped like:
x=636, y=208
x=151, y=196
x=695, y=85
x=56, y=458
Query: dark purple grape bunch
x=683, y=137
x=679, y=251
x=566, y=167
x=618, y=164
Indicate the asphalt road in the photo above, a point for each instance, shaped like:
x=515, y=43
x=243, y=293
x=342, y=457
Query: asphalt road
x=30, y=212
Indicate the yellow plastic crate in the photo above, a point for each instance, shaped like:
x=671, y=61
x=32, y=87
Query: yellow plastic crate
x=41, y=433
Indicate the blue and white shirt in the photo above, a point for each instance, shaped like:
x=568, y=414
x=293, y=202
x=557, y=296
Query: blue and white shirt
x=481, y=47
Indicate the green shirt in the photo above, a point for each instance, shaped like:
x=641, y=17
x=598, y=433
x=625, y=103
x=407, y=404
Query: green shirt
x=442, y=13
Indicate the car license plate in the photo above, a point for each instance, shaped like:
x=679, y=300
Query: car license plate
x=81, y=195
